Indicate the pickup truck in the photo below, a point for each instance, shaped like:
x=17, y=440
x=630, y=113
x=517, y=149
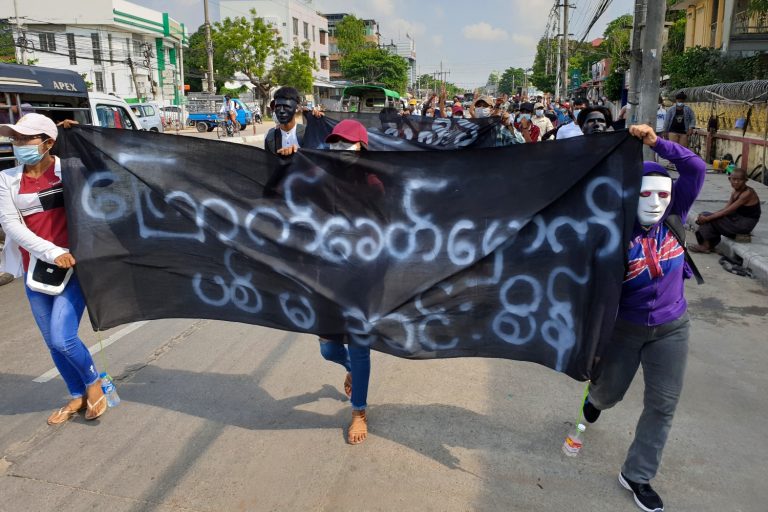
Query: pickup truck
x=203, y=115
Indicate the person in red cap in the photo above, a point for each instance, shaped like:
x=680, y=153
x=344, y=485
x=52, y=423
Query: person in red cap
x=351, y=135
x=35, y=188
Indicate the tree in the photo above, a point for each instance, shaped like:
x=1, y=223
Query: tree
x=350, y=35
x=545, y=65
x=430, y=83
x=374, y=65
x=493, y=79
x=196, y=62
x=245, y=46
x=295, y=71
x=511, y=80
x=705, y=66
x=7, y=44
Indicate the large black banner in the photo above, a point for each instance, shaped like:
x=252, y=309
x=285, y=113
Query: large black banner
x=390, y=131
x=512, y=252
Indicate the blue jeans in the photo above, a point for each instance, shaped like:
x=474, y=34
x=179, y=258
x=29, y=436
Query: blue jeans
x=662, y=351
x=58, y=318
x=357, y=360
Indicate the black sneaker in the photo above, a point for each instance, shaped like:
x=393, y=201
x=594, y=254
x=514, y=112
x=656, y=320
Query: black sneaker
x=645, y=497
x=590, y=412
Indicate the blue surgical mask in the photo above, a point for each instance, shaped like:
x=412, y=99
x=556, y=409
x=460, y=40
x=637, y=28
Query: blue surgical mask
x=28, y=155
x=524, y=116
x=679, y=103
x=576, y=112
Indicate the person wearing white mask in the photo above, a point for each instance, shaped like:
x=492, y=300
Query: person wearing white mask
x=540, y=120
x=481, y=107
x=652, y=325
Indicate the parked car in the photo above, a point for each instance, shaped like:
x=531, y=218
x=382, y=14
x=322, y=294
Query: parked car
x=149, y=116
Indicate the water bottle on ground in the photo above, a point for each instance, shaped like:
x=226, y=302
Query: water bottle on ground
x=109, y=390
x=574, y=441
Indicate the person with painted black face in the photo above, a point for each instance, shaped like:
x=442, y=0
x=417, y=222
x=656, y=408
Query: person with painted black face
x=285, y=138
x=33, y=218
x=594, y=119
x=652, y=326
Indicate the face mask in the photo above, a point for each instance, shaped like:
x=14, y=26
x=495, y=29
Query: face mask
x=539, y=113
x=524, y=116
x=679, y=103
x=576, y=112
x=344, y=146
x=28, y=155
x=482, y=112
x=655, y=196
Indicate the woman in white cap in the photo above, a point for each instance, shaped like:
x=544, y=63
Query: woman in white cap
x=32, y=216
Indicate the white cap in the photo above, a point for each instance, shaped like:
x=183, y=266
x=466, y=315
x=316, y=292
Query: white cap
x=31, y=124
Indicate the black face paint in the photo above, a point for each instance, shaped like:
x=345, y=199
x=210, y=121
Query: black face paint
x=594, y=123
x=285, y=110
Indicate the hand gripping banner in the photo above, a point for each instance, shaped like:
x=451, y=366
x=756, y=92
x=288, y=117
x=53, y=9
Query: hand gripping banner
x=511, y=252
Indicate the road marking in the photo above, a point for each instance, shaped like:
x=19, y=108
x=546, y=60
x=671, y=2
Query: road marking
x=53, y=372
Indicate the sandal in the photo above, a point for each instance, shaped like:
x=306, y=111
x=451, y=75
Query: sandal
x=63, y=415
x=348, y=385
x=358, y=427
x=95, y=410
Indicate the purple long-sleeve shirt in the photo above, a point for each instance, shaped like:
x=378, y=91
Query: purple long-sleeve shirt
x=653, y=289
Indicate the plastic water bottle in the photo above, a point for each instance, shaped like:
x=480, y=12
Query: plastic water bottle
x=574, y=441
x=109, y=390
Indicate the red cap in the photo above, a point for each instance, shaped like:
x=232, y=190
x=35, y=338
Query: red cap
x=349, y=130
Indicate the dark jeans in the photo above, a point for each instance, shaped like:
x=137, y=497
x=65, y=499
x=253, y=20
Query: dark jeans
x=730, y=226
x=357, y=360
x=663, y=351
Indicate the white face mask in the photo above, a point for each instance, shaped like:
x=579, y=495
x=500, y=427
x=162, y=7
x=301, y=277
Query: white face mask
x=576, y=112
x=539, y=113
x=344, y=146
x=655, y=196
x=482, y=112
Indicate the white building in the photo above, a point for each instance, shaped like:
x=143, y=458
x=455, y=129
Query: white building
x=296, y=22
x=120, y=47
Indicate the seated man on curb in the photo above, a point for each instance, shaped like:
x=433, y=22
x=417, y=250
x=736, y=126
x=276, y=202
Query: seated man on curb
x=652, y=326
x=739, y=217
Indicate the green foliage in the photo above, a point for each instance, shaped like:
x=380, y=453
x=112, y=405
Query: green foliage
x=245, y=45
x=233, y=93
x=493, y=78
x=617, y=41
x=295, y=71
x=196, y=62
x=373, y=65
x=544, y=65
x=613, y=86
x=705, y=66
x=759, y=7
x=7, y=46
x=511, y=80
x=350, y=35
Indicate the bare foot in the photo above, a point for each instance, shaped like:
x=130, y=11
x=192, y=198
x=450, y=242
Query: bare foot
x=358, y=429
x=95, y=400
x=348, y=385
x=67, y=412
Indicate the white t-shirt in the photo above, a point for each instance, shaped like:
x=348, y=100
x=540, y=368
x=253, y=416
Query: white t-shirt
x=289, y=138
x=661, y=115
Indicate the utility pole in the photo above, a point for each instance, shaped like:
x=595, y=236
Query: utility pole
x=209, y=49
x=564, y=69
x=133, y=77
x=636, y=55
x=21, y=36
x=559, y=58
x=653, y=33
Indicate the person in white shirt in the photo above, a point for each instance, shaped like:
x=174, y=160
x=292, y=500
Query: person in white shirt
x=285, y=138
x=540, y=120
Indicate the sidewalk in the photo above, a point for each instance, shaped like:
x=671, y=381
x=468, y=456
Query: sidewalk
x=714, y=195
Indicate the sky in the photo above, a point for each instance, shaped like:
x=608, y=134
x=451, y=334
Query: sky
x=470, y=38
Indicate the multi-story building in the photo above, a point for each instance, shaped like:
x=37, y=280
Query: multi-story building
x=372, y=35
x=120, y=47
x=295, y=21
x=725, y=24
x=407, y=50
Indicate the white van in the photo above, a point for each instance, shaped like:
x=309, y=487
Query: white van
x=112, y=112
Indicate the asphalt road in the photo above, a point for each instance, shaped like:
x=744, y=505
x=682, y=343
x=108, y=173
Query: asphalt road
x=231, y=417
